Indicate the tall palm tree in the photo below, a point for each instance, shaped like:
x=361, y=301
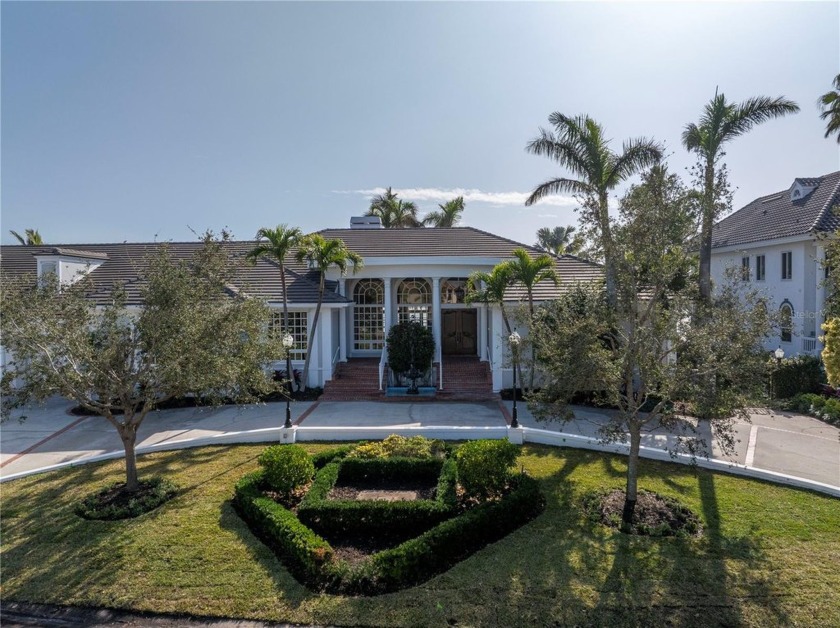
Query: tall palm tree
x=449, y=214
x=579, y=145
x=276, y=244
x=529, y=272
x=720, y=122
x=830, y=105
x=559, y=241
x=33, y=238
x=323, y=254
x=394, y=212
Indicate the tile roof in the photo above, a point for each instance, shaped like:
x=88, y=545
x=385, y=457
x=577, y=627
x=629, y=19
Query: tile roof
x=777, y=216
x=124, y=261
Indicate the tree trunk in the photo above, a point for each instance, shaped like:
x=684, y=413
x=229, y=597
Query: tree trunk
x=304, y=378
x=705, y=278
x=289, y=373
x=533, y=352
x=632, y=475
x=606, y=243
x=128, y=435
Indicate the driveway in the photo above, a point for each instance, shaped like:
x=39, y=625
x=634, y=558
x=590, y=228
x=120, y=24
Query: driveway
x=781, y=442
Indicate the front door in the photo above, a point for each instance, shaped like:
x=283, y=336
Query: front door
x=460, y=332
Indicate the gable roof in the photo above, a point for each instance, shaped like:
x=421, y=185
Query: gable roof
x=124, y=262
x=777, y=216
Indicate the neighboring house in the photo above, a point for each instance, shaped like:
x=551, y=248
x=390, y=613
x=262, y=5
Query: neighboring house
x=776, y=242
x=408, y=274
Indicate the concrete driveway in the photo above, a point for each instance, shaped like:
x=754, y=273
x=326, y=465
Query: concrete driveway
x=781, y=442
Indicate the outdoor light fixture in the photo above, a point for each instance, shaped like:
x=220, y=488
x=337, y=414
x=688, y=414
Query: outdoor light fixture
x=288, y=343
x=779, y=353
x=514, y=339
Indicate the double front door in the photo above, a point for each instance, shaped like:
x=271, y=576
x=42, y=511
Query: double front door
x=460, y=332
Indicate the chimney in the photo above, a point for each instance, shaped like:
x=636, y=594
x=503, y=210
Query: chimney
x=365, y=222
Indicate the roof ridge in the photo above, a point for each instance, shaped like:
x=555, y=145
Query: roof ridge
x=498, y=237
x=828, y=203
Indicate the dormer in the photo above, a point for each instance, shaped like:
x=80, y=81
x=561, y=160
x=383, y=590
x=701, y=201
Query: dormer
x=801, y=188
x=69, y=265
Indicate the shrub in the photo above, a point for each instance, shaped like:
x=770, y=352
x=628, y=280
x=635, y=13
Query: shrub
x=807, y=403
x=286, y=467
x=483, y=466
x=799, y=374
x=112, y=502
x=831, y=411
x=410, y=342
x=384, y=470
x=396, y=445
x=320, y=460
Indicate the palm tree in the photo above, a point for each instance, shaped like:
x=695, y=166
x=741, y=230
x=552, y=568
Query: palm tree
x=33, y=238
x=529, y=272
x=720, y=122
x=279, y=243
x=449, y=214
x=579, y=145
x=559, y=241
x=394, y=212
x=323, y=254
x=830, y=105
x=489, y=288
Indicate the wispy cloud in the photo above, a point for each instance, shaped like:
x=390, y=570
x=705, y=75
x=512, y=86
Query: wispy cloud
x=439, y=195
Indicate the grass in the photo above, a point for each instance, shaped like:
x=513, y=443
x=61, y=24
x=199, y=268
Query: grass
x=768, y=556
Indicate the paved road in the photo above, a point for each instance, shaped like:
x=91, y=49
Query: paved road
x=781, y=442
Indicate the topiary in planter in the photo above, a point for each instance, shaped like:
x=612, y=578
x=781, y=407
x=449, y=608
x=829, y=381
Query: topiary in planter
x=402, y=338
x=286, y=468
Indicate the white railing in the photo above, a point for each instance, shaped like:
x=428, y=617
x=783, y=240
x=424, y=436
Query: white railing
x=335, y=361
x=383, y=360
x=809, y=345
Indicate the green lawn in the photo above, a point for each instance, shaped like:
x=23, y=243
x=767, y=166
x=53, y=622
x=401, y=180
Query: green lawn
x=769, y=555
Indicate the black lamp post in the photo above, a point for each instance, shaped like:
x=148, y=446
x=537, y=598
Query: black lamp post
x=288, y=343
x=779, y=354
x=514, y=339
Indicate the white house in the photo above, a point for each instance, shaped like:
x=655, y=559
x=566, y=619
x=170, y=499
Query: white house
x=409, y=274
x=777, y=242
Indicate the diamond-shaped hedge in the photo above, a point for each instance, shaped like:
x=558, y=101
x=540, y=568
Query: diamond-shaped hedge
x=432, y=535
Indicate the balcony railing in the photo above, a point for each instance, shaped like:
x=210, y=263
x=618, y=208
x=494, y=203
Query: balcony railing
x=809, y=345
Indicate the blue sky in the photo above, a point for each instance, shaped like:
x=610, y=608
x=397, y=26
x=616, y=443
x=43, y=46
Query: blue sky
x=135, y=121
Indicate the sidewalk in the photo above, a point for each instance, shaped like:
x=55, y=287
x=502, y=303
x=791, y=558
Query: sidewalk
x=783, y=443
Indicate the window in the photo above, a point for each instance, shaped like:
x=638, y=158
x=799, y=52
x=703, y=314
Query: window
x=414, y=302
x=369, y=315
x=760, y=268
x=745, y=268
x=298, y=329
x=787, y=265
x=786, y=312
x=453, y=290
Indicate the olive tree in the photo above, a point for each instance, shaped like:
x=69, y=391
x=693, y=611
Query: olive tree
x=646, y=356
x=194, y=334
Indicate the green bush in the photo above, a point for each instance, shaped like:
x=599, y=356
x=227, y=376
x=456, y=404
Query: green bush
x=305, y=554
x=831, y=411
x=799, y=374
x=483, y=466
x=405, y=338
x=400, y=446
x=389, y=470
x=807, y=403
x=446, y=492
x=286, y=467
x=112, y=502
x=322, y=459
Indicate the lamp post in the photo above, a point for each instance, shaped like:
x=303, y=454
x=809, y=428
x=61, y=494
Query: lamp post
x=288, y=343
x=514, y=339
x=779, y=354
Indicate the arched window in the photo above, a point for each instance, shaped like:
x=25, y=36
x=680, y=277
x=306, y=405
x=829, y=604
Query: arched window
x=368, y=315
x=414, y=301
x=453, y=290
x=786, y=324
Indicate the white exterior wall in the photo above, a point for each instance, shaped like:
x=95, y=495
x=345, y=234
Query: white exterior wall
x=803, y=290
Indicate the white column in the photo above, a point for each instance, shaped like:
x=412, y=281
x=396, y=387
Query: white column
x=497, y=328
x=482, y=333
x=436, y=316
x=325, y=333
x=819, y=305
x=345, y=316
x=388, y=307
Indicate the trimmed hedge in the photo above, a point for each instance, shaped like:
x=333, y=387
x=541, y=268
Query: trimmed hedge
x=384, y=470
x=484, y=466
x=304, y=553
x=286, y=467
x=320, y=460
x=799, y=374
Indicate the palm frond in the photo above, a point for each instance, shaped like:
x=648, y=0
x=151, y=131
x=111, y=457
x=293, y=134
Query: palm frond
x=557, y=186
x=754, y=111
